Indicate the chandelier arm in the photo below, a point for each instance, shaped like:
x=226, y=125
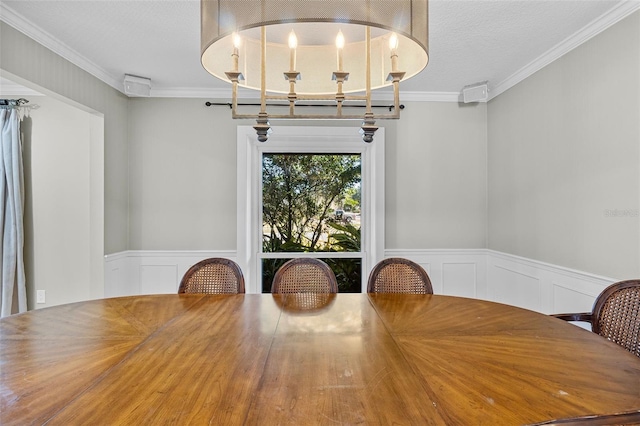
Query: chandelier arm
x=319, y=117
x=368, y=59
x=263, y=69
x=234, y=99
x=262, y=126
x=368, y=127
x=316, y=97
x=396, y=99
x=292, y=97
x=230, y=106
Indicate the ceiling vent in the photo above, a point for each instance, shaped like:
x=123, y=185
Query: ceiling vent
x=478, y=92
x=137, y=86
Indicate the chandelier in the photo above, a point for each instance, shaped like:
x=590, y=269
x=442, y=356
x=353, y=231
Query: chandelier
x=327, y=51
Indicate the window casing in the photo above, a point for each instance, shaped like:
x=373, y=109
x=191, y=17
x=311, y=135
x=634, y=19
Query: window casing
x=317, y=140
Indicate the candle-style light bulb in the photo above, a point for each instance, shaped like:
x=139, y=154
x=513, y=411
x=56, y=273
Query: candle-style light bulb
x=293, y=40
x=340, y=46
x=236, y=45
x=340, y=40
x=293, y=43
x=393, y=42
x=393, y=45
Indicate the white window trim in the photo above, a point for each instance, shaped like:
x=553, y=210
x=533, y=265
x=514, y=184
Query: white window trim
x=313, y=140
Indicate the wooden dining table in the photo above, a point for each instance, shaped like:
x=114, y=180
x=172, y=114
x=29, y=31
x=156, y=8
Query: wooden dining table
x=262, y=359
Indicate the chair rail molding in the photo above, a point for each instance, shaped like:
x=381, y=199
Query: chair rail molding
x=475, y=273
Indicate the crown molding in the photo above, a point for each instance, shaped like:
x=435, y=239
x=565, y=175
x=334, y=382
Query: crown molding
x=603, y=22
x=18, y=22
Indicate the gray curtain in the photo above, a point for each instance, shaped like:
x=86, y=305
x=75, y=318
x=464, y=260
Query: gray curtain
x=13, y=289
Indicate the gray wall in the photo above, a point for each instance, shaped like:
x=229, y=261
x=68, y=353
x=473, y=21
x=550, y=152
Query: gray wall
x=183, y=175
x=162, y=154
x=436, y=177
x=40, y=68
x=533, y=173
x=564, y=159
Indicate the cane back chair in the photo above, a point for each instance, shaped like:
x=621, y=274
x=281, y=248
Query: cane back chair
x=304, y=275
x=398, y=275
x=615, y=315
x=213, y=276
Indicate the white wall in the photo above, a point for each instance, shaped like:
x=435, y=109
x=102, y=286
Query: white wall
x=63, y=156
x=564, y=159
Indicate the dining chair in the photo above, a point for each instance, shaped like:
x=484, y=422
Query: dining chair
x=304, y=275
x=213, y=276
x=625, y=418
x=398, y=275
x=615, y=315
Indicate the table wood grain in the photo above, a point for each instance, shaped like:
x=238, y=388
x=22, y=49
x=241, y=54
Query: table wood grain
x=287, y=359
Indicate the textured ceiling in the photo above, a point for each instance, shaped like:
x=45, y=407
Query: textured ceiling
x=470, y=41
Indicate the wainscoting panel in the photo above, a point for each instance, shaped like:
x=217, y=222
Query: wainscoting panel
x=475, y=273
x=569, y=300
x=551, y=288
x=515, y=287
x=117, y=280
x=452, y=272
x=159, y=279
x=459, y=279
x=151, y=272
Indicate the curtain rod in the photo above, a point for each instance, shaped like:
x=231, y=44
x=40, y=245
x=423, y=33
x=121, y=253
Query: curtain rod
x=13, y=102
x=390, y=107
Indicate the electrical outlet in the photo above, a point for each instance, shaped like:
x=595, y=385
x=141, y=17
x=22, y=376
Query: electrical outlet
x=40, y=296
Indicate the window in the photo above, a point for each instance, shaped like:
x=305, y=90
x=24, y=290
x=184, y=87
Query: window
x=310, y=191
x=311, y=204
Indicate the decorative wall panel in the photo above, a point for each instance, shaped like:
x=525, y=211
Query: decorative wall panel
x=475, y=273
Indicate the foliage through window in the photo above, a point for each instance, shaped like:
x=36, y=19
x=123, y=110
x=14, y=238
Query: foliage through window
x=312, y=203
